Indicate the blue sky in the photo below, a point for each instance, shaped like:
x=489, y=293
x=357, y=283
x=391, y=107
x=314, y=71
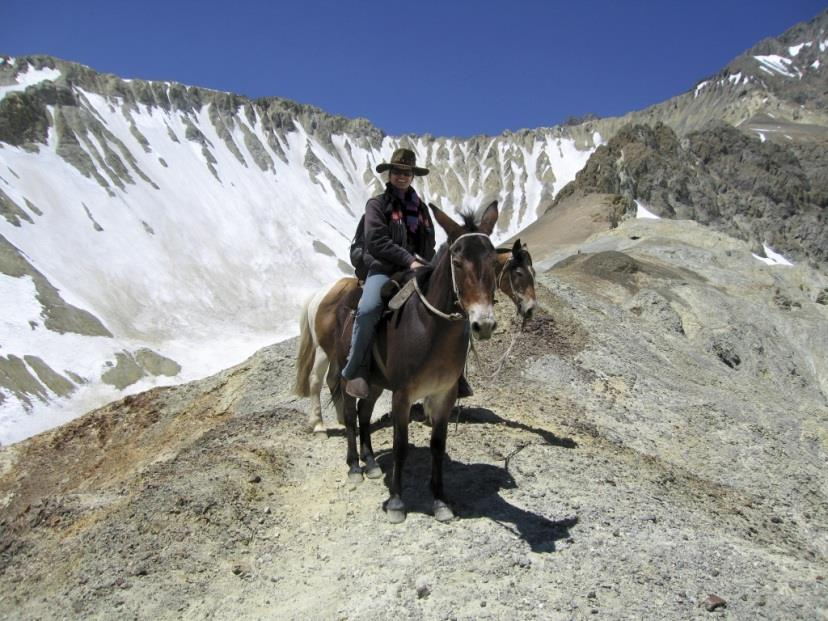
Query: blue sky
x=449, y=68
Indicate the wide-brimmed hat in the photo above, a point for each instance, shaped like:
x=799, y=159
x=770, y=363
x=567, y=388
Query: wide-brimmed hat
x=404, y=159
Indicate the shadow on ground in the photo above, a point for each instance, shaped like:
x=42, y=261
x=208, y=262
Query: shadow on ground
x=473, y=491
x=467, y=415
x=484, y=416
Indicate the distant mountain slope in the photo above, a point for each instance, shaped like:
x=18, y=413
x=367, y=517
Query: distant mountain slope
x=192, y=223
x=173, y=229
x=782, y=78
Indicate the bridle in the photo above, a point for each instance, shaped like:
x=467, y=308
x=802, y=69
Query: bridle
x=463, y=314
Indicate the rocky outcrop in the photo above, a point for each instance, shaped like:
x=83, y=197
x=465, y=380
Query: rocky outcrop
x=130, y=367
x=756, y=191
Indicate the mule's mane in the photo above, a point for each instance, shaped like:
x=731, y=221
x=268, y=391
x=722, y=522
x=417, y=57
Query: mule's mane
x=469, y=223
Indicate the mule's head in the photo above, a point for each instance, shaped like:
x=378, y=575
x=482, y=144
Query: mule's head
x=517, y=280
x=473, y=262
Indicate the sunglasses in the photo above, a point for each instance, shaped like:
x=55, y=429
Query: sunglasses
x=402, y=173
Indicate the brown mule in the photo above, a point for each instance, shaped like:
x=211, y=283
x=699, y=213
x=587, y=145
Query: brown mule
x=420, y=352
x=516, y=277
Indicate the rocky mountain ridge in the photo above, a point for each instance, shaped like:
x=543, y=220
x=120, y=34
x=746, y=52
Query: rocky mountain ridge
x=720, y=177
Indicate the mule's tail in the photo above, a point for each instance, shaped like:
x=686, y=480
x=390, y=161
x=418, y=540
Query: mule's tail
x=305, y=355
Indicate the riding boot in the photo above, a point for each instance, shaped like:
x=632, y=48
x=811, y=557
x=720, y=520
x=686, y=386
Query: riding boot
x=357, y=386
x=463, y=388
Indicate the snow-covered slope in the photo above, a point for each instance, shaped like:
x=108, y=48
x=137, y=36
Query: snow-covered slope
x=181, y=228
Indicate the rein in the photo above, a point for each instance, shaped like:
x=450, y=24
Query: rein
x=436, y=311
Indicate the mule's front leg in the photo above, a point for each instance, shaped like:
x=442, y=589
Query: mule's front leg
x=439, y=408
x=366, y=451
x=352, y=457
x=400, y=405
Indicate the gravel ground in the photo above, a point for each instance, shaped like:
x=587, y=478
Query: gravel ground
x=615, y=462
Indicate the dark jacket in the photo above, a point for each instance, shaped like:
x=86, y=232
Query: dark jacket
x=390, y=246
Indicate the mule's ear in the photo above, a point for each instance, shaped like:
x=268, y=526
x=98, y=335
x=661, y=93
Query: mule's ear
x=449, y=225
x=487, y=222
x=516, y=248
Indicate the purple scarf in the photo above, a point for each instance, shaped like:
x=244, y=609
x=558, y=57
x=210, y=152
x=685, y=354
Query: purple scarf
x=411, y=207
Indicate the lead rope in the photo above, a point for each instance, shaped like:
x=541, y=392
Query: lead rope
x=504, y=356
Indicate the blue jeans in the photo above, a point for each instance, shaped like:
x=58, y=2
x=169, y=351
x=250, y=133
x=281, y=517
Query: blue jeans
x=368, y=314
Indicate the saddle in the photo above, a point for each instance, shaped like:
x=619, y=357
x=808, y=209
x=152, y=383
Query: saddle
x=400, y=294
x=397, y=290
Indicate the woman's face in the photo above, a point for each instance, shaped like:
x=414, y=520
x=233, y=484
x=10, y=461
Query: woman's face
x=400, y=179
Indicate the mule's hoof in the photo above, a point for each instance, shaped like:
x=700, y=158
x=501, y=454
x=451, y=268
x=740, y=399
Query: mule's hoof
x=395, y=510
x=372, y=470
x=442, y=512
x=355, y=476
x=319, y=428
x=395, y=517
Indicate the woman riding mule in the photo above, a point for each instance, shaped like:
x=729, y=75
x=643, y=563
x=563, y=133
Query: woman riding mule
x=421, y=352
x=515, y=278
x=399, y=236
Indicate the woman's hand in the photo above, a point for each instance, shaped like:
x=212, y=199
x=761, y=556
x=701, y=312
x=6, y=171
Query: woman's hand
x=415, y=264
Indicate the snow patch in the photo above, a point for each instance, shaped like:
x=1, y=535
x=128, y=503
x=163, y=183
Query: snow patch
x=208, y=271
x=642, y=212
x=774, y=63
x=29, y=78
x=795, y=49
x=772, y=258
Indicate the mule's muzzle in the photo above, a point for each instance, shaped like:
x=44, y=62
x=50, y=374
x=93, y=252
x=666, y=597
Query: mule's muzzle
x=483, y=331
x=527, y=308
x=483, y=323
